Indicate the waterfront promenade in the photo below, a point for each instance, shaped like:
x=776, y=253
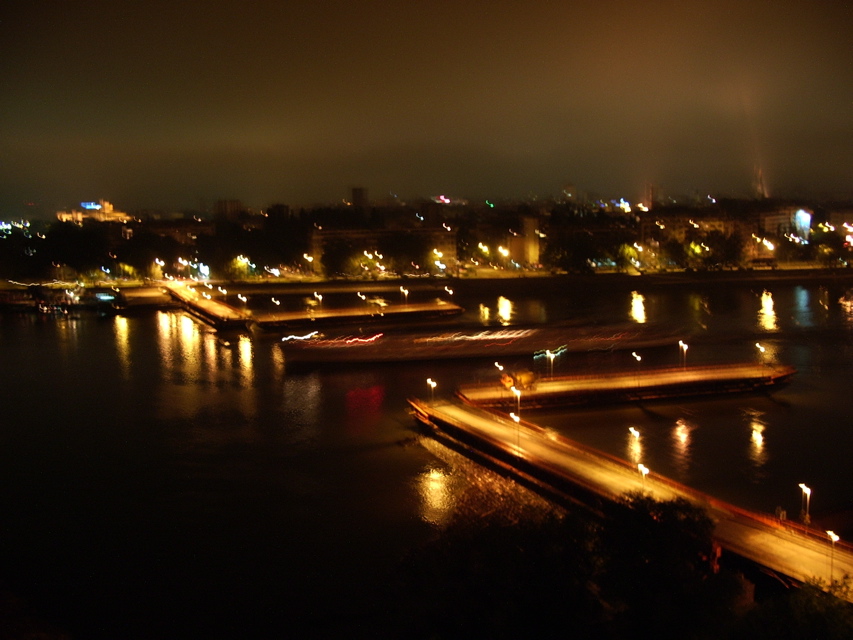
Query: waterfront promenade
x=782, y=546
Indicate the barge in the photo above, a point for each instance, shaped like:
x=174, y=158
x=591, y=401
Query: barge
x=314, y=348
x=625, y=386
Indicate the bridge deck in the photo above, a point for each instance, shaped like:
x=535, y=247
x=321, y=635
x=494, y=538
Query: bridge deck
x=786, y=547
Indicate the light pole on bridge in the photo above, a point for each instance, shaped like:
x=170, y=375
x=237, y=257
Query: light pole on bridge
x=807, y=495
x=432, y=383
x=644, y=471
x=833, y=537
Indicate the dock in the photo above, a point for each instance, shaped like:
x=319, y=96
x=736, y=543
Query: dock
x=579, y=475
x=217, y=313
x=642, y=384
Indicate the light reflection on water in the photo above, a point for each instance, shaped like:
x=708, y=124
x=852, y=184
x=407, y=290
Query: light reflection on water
x=767, y=313
x=463, y=490
x=681, y=439
x=200, y=433
x=757, y=451
x=638, y=307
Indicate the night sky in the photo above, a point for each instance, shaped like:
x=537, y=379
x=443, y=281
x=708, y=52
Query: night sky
x=175, y=104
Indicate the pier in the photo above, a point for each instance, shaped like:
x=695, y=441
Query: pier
x=221, y=315
x=576, y=474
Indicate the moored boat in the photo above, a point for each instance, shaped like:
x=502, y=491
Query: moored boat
x=629, y=386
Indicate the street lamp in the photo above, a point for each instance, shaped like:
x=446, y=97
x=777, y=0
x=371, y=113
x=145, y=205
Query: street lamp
x=761, y=351
x=517, y=420
x=551, y=355
x=683, y=347
x=638, y=359
x=834, y=538
x=807, y=495
x=432, y=383
x=644, y=471
x=517, y=393
x=405, y=293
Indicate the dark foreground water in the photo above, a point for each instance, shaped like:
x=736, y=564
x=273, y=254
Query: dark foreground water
x=158, y=480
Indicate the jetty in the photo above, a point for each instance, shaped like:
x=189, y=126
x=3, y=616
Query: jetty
x=641, y=384
x=576, y=475
x=205, y=304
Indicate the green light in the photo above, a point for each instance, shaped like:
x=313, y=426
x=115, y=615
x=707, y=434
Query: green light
x=490, y=204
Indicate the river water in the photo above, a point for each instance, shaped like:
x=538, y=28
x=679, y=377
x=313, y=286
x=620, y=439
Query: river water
x=160, y=480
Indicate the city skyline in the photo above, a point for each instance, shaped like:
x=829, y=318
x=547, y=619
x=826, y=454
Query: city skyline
x=163, y=106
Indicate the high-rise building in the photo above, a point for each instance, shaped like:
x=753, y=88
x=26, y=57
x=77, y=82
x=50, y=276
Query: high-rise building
x=359, y=198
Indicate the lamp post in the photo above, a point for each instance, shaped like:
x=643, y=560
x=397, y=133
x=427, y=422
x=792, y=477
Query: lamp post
x=638, y=359
x=432, y=383
x=517, y=420
x=833, y=537
x=807, y=496
x=761, y=351
x=551, y=355
x=683, y=348
x=405, y=293
x=517, y=393
x=644, y=471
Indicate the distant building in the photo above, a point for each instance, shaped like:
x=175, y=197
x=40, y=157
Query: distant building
x=185, y=231
x=360, y=200
x=101, y=211
x=228, y=209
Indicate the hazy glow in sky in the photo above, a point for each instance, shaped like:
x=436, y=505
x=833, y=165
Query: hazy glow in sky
x=173, y=104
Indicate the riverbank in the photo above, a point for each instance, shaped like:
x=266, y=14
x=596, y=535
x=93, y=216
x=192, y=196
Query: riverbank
x=17, y=297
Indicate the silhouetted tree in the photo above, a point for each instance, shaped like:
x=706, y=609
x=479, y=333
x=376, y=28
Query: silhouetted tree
x=804, y=612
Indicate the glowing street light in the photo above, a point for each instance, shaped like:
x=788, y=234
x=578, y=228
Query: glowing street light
x=833, y=538
x=499, y=366
x=683, y=347
x=517, y=393
x=432, y=384
x=405, y=293
x=761, y=351
x=517, y=420
x=638, y=359
x=807, y=495
x=644, y=471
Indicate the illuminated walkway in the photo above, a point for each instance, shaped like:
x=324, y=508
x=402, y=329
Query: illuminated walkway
x=782, y=546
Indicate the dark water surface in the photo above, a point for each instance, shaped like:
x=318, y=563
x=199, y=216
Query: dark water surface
x=158, y=480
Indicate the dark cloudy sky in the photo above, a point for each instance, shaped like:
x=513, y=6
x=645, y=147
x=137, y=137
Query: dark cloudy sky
x=169, y=104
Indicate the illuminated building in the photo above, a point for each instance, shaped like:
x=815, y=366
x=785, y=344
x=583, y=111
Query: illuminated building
x=101, y=211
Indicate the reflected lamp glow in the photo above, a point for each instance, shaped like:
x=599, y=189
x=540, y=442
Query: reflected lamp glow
x=504, y=310
x=638, y=307
x=767, y=314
